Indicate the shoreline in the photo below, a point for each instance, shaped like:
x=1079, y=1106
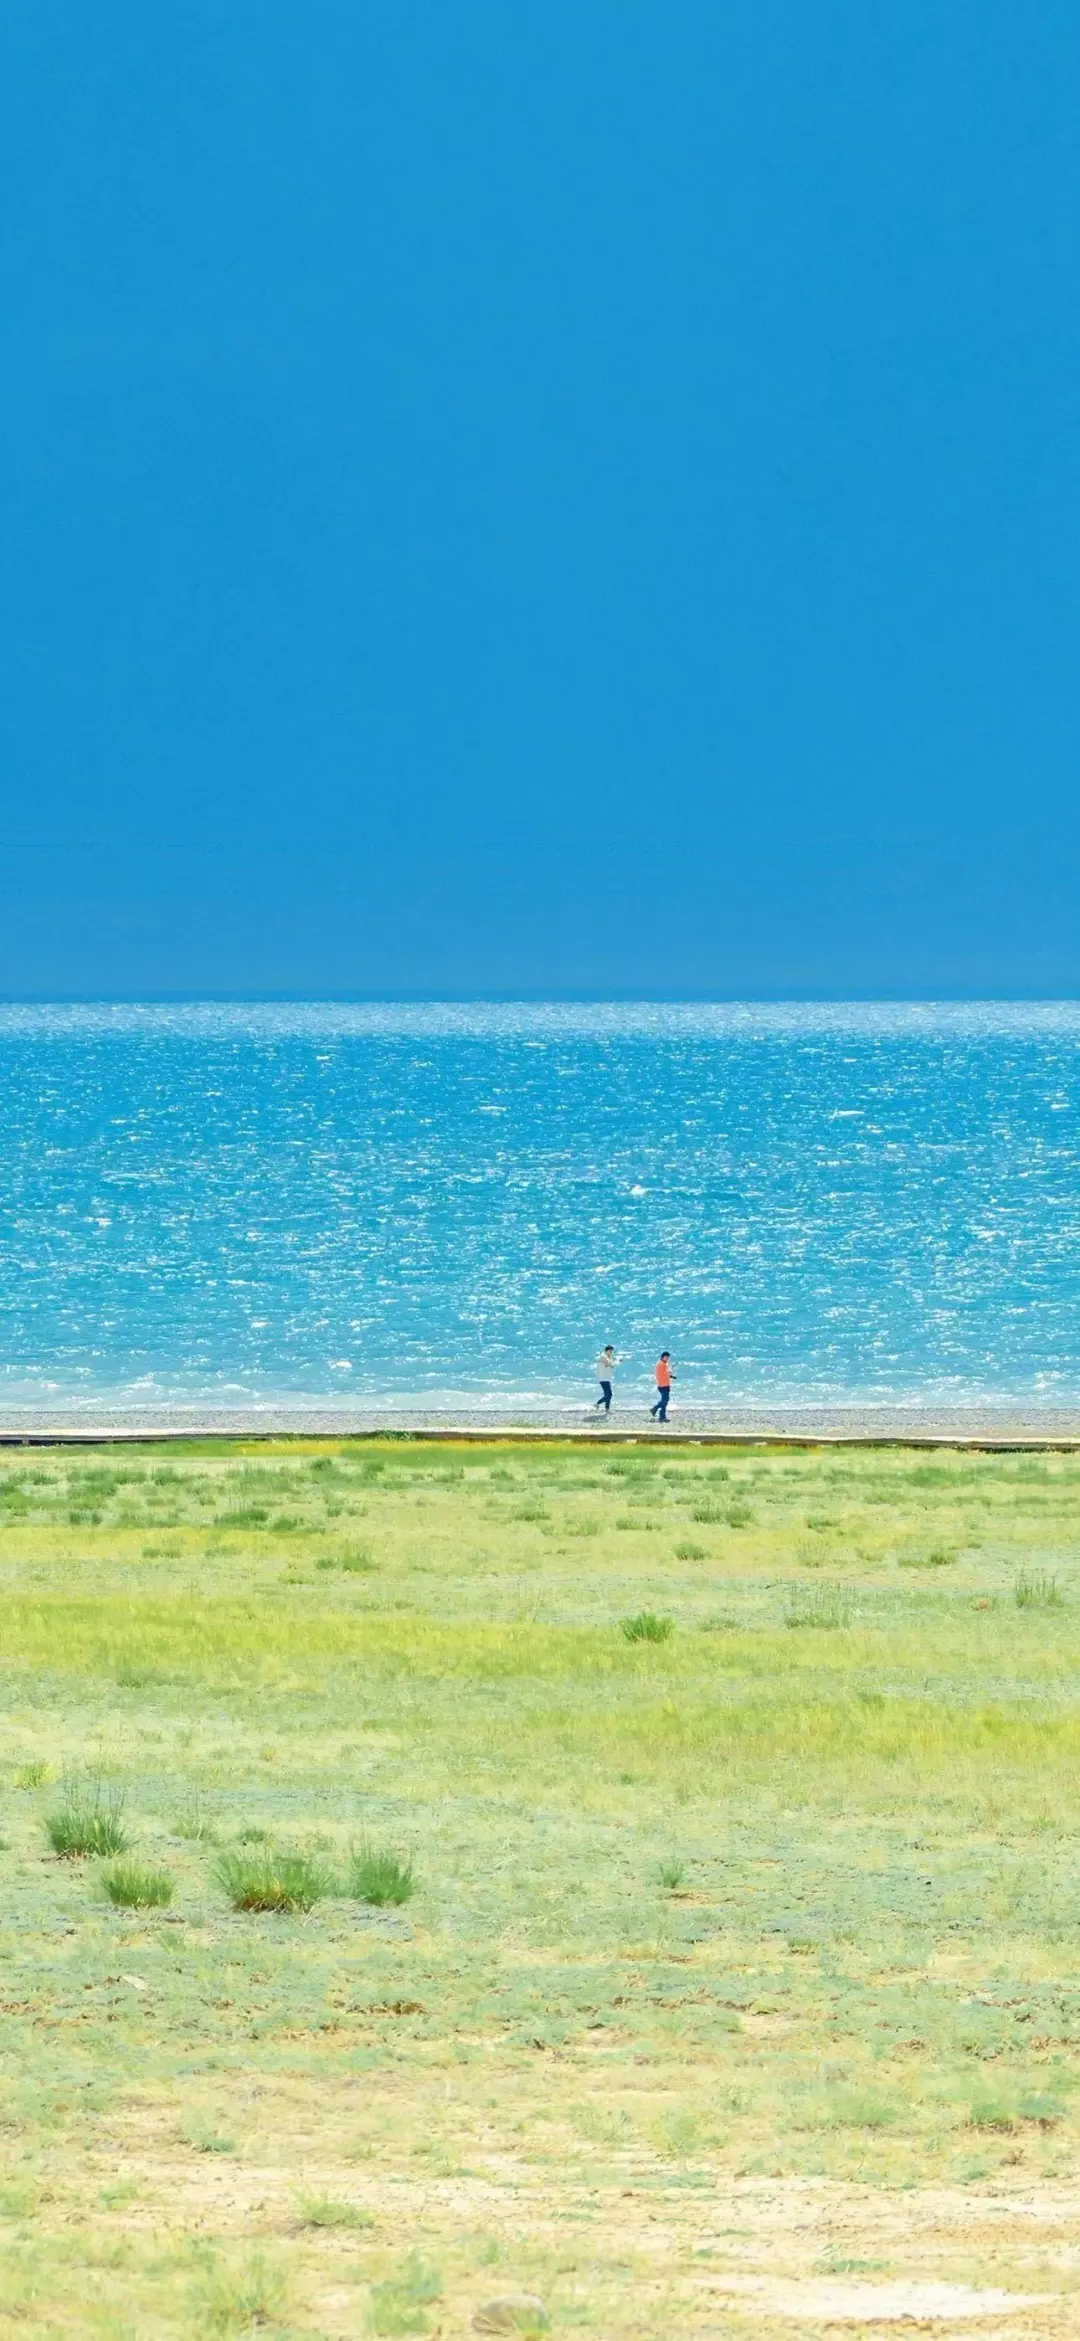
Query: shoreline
x=1004, y=1426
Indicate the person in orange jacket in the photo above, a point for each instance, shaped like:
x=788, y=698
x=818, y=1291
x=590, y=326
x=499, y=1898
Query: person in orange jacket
x=665, y=1376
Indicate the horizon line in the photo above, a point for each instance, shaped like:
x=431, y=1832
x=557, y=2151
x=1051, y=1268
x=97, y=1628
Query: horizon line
x=534, y=999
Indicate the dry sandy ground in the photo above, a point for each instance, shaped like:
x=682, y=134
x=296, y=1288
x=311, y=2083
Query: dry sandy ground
x=635, y=2254
x=987, y=1426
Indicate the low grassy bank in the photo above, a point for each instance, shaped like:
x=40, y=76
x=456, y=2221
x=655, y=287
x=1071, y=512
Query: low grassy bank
x=736, y=1800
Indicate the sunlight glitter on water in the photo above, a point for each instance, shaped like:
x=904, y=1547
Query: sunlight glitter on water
x=804, y=1204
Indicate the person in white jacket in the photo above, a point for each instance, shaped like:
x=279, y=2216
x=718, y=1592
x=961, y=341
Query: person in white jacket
x=605, y=1375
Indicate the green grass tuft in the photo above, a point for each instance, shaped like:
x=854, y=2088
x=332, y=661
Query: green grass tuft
x=227, y=2303
x=1036, y=1589
x=1000, y=2110
x=131, y=1886
x=89, y=1820
x=194, y=1825
x=282, y=1882
x=824, y=1606
x=328, y=2211
x=380, y=1877
x=646, y=1626
x=400, y=2305
x=209, y=2141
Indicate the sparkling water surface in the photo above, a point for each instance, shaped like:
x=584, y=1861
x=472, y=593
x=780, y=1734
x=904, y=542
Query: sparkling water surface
x=827, y=1204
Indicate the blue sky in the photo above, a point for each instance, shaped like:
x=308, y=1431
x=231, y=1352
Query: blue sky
x=564, y=500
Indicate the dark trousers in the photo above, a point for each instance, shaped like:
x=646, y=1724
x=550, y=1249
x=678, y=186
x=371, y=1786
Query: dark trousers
x=661, y=1406
x=604, y=1399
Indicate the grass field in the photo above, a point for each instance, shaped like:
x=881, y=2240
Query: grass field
x=732, y=1982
